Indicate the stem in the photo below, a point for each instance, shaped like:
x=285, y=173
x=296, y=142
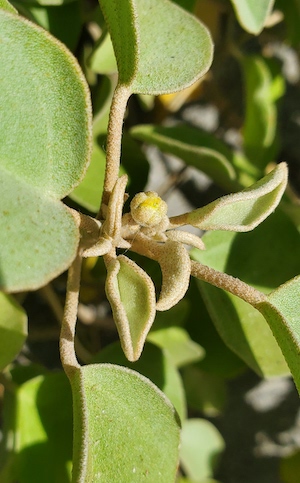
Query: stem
x=114, y=137
x=67, y=334
x=228, y=283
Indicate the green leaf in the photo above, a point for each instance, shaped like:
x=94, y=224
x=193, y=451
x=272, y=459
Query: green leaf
x=89, y=192
x=252, y=14
x=205, y=392
x=154, y=365
x=263, y=88
x=290, y=467
x=252, y=257
x=125, y=428
x=177, y=345
x=131, y=294
x=13, y=329
x=245, y=210
x=42, y=431
x=45, y=131
x=102, y=59
x=201, y=446
x=281, y=310
x=195, y=148
x=146, y=49
x=5, y=5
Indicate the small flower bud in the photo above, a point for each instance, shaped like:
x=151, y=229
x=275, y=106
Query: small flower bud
x=148, y=209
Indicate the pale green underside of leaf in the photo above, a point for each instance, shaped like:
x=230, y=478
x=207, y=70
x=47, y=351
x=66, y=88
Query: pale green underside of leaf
x=156, y=57
x=45, y=117
x=131, y=294
x=38, y=236
x=245, y=210
x=252, y=14
x=201, y=444
x=125, y=428
x=13, y=329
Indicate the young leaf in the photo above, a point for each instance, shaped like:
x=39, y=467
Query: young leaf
x=124, y=427
x=241, y=211
x=13, y=329
x=252, y=14
x=131, y=294
x=42, y=156
x=157, y=57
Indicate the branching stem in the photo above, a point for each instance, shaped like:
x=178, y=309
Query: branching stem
x=67, y=334
x=114, y=136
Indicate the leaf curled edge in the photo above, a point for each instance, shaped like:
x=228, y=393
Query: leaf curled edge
x=241, y=211
x=131, y=294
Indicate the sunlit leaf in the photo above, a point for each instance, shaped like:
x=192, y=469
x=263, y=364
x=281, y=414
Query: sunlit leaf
x=244, y=210
x=13, y=329
x=154, y=365
x=125, y=427
x=102, y=59
x=146, y=49
x=252, y=14
x=43, y=154
x=201, y=445
x=131, y=294
x=5, y=5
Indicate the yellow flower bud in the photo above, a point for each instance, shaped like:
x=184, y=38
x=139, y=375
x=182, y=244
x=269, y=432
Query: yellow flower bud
x=148, y=209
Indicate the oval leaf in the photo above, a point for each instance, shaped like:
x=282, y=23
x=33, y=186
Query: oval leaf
x=45, y=131
x=146, y=50
x=252, y=14
x=241, y=211
x=13, y=329
x=125, y=428
x=131, y=294
x=45, y=115
x=5, y=5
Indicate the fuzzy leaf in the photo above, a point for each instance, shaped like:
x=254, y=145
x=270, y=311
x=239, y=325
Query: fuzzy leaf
x=5, y=5
x=13, y=329
x=242, y=211
x=125, y=428
x=281, y=310
x=175, y=265
x=146, y=49
x=45, y=131
x=153, y=364
x=131, y=294
x=252, y=14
